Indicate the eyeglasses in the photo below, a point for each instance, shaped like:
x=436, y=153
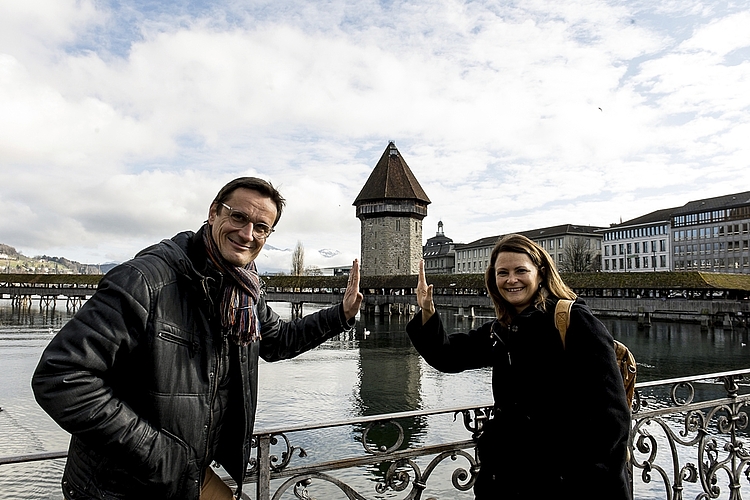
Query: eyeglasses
x=239, y=220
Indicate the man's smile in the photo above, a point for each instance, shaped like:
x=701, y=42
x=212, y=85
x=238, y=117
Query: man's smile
x=236, y=243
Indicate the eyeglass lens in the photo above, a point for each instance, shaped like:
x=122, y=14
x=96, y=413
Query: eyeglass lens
x=239, y=220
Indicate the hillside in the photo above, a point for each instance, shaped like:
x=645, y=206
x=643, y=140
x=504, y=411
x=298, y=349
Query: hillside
x=11, y=261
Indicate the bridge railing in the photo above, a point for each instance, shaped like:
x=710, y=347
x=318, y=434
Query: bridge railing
x=689, y=439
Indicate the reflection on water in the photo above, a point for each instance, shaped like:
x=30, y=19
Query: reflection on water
x=355, y=374
x=668, y=350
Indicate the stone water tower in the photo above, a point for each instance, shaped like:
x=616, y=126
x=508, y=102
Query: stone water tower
x=391, y=207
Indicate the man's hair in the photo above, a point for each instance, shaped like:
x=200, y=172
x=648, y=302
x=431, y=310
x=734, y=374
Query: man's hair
x=551, y=283
x=263, y=187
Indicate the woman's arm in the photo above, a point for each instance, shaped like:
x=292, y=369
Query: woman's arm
x=599, y=399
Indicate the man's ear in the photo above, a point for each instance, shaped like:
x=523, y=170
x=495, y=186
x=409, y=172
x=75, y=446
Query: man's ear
x=212, y=213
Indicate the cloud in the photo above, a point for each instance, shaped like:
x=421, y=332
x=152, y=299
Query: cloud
x=121, y=121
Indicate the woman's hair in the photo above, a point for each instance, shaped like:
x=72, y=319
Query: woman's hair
x=551, y=283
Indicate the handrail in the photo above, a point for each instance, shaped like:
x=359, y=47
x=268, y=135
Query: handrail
x=663, y=443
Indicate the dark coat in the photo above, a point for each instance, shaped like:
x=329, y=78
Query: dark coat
x=562, y=421
x=133, y=377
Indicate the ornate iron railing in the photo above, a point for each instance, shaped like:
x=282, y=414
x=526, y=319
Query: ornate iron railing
x=689, y=439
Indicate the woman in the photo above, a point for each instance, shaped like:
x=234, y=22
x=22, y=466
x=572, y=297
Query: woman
x=561, y=421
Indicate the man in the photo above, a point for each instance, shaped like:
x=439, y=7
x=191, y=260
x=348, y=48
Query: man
x=156, y=376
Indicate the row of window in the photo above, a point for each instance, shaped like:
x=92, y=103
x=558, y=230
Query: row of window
x=718, y=246
x=635, y=263
x=639, y=232
x=433, y=263
x=712, y=216
x=550, y=243
x=473, y=267
x=710, y=232
x=480, y=266
x=476, y=252
x=712, y=264
x=628, y=248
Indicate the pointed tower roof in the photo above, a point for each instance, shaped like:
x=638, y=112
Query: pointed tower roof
x=391, y=179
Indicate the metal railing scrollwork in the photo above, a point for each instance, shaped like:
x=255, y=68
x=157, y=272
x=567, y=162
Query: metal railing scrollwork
x=693, y=436
x=690, y=438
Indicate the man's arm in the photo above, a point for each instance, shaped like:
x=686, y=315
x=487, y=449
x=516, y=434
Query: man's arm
x=284, y=340
x=352, y=296
x=72, y=380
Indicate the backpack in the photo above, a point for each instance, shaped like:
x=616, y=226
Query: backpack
x=625, y=359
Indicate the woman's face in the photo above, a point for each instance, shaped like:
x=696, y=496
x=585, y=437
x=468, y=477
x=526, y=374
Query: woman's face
x=517, y=279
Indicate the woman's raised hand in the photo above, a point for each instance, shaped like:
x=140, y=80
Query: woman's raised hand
x=424, y=295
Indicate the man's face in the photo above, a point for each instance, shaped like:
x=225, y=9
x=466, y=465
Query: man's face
x=238, y=246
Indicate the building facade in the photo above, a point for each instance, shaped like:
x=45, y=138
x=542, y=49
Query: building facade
x=709, y=235
x=439, y=253
x=391, y=207
x=573, y=247
x=639, y=245
x=712, y=235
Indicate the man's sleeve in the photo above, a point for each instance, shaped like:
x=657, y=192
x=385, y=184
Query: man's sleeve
x=287, y=339
x=71, y=380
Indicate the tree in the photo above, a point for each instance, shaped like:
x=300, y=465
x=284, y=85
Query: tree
x=578, y=257
x=298, y=260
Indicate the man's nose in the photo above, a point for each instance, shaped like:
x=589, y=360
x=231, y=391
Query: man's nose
x=247, y=232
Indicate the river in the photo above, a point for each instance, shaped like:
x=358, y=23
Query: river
x=350, y=376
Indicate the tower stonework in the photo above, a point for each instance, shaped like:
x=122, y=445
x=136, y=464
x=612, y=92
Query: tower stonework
x=391, y=207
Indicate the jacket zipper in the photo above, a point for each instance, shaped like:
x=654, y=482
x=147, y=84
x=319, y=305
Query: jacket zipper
x=212, y=375
x=170, y=337
x=496, y=338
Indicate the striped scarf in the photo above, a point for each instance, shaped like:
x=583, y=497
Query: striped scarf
x=238, y=297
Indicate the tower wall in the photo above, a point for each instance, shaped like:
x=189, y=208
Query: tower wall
x=391, y=245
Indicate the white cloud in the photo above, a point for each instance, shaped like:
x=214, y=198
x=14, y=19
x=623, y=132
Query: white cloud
x=120, y=126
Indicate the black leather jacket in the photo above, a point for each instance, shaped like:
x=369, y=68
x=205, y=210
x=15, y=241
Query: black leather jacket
x=133, y=377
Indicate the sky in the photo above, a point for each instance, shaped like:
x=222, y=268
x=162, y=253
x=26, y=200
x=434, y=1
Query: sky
x=120, y=120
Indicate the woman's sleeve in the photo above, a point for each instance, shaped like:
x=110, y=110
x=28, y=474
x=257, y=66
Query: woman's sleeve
x=453, y=352
x=602, y=423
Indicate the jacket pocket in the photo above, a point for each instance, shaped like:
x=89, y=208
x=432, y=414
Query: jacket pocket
x=168, y=464
x=178, y=336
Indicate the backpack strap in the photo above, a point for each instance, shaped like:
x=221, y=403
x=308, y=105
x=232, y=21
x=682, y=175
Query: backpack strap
x=562, y=317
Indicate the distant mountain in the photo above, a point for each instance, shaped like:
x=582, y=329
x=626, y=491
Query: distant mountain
x=7, y=250
x=12, y=261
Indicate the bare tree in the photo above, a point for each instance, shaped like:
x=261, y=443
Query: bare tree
x=298, y=260
x=578, y=257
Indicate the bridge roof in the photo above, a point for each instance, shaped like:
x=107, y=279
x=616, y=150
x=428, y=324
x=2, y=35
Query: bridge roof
x=653, y=280
x=52, y=279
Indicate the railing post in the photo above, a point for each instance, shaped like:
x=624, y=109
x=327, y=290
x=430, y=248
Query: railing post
x=263, y=491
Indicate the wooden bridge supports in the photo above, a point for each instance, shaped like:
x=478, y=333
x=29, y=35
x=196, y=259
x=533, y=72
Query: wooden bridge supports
x=73, y=303
x=20, y=301
x=644, y=319
x=296, y=310
x=389, y=309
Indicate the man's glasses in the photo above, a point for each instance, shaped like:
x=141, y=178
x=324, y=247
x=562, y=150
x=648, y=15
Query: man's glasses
x=239, y=220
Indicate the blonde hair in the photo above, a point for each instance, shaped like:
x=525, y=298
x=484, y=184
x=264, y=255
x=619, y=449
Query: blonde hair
x=551, y=282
